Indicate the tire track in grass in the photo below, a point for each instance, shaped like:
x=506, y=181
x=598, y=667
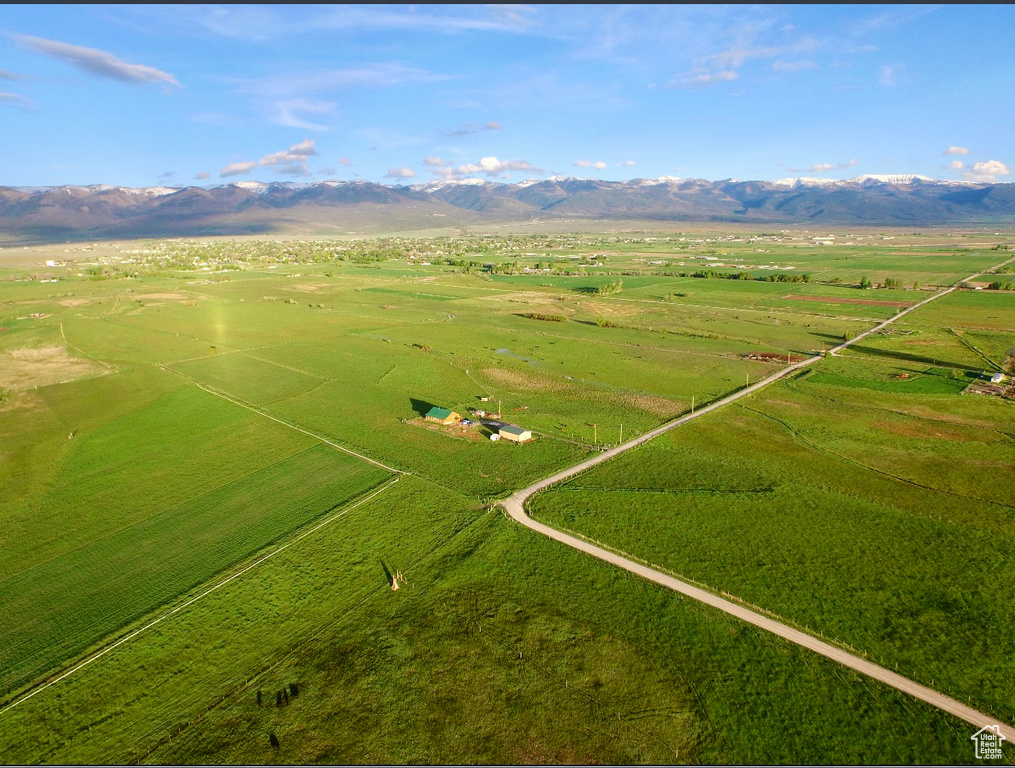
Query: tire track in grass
x=130, y=636
x=236, y=401
x=799, y=436
x=515, y=507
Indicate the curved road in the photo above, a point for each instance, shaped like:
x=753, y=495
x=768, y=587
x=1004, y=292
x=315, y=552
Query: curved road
x=515, y=506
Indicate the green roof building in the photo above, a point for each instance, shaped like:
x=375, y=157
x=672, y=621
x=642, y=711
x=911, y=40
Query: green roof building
x=442, y=416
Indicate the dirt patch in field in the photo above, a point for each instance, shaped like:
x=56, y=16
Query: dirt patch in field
x=519, y=297
x=657, y=406
x=461, y=431
x=308, y=287
x=610, y=309
x=22, y=369
x=923, y=430
x=841, y=300
x=74, y=302
x=923, y=412
x=10, y=401
x=162, y=296
x=516, y=380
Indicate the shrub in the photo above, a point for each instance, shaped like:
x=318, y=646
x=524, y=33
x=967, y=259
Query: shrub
x=543, y=316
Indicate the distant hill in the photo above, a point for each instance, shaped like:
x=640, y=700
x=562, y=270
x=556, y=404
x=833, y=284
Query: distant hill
x=100, y=211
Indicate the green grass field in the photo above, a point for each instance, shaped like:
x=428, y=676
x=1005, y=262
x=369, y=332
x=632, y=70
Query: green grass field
x=503, y=647
x=145, y=509
x=886, y=524
x=867, y=506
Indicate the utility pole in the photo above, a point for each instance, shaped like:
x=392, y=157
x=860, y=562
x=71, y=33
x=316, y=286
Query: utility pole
x=692, y=403
x=621, y=433
x=595, y=439
x=498, y=410
x=748, y=380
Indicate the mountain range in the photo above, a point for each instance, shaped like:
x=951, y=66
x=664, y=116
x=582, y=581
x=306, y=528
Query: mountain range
x=249, y=207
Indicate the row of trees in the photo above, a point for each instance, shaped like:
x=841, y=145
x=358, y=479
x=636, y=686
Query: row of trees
x=782, y=277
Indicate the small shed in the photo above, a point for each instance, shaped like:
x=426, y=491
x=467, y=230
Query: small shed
x=997, y=378
x=515, y=434
x=442, y=416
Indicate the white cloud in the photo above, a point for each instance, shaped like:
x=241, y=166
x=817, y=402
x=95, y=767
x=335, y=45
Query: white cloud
x=470, y=128
x=8, y=75
x=599, y=165
x=292, y=169
x=344, y=161
x=628, y=163
x=400, y=173
x=295, y=154
x=98, y=62
x=202, y=175
x=293, y=99
x=986, y=171
x=318, y=81
x=266, y=22
x=793, y=66
x=956, y=151
x=824, y=167
x=436, y=162
x=236, y=169
x=698, y=80
x=493, y=167
x=892, y=75
x=290, y=162
x=956, y=165
x=19, y=101
x=287, y=113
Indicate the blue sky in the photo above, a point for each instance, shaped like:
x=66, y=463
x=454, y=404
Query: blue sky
x=179, y=95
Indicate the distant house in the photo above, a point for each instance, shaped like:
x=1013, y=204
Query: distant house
x=442, y=416
x=515, y=434
x=997, y=378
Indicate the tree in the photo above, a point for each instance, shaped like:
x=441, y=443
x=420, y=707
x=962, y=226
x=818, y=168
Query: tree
x=865, y=282
x=273, y=740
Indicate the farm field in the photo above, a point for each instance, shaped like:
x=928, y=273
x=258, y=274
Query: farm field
x=86, y=558
x=165, y=414
x=500, y=648
x=886, y=524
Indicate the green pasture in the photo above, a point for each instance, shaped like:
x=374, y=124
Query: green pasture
x=248, y=377
x=873, y=509
x=501, y=647
x=142, y=508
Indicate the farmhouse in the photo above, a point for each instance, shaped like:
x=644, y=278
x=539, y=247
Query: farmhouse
x=442, y=416
x=515, y=434
x=997, y=378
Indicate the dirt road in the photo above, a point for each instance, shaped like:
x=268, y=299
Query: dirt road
x=515, y=507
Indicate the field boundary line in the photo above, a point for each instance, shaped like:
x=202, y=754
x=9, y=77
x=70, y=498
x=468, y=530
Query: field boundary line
x=515, y=507
x=130, y=636
x=235, y=401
